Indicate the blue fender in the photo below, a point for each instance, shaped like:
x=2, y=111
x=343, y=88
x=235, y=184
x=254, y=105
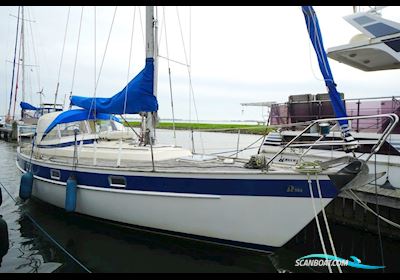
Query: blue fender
x=25, y=187
x=70, y=194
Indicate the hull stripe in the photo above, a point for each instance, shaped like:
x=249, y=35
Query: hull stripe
x=204, y=186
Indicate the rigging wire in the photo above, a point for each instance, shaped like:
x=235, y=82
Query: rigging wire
x=141, y=26
x=22, y=59
x=377, y=219
x=317, y=220
x=27, y=78
x=191, y=91
x=319, y=40
x=15, y=54
x=127, y=76
x=169, y=77
x=16, y=82
x=309, y=52
x=366, y=207
x=253, y=143
x=172, y=60
x=326, y=221
x=41, y=56
x=76, y=56
x=105, y=50
x=95, y=64
x=34, y=51
x=130, y=57
x=62, y=56
x=102, y=61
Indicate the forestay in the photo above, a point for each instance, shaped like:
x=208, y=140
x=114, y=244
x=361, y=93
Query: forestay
x=316, y=39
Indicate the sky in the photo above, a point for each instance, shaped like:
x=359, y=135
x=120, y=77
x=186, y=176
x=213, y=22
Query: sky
x=236, y=55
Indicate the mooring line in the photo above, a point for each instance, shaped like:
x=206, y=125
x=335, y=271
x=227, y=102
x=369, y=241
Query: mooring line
x=321, y=238
x=48, y=235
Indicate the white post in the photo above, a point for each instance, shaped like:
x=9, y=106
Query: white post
x=95, y=152
x=80, y=149
x=119, y=153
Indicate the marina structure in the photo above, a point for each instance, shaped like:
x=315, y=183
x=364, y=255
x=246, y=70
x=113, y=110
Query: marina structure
x=171, y=190
x=375, y=49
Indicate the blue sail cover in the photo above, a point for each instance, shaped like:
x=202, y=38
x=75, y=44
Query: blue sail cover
x=136, y=97
x=316, y=39
x=27, y=106
x=77, y=115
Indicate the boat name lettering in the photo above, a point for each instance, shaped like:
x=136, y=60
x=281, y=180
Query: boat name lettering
x=291, y=188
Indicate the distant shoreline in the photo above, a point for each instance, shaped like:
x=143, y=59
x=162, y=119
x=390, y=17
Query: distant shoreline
x=211, y=127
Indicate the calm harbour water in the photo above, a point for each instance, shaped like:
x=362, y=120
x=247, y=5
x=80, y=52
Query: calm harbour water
x=104, y=247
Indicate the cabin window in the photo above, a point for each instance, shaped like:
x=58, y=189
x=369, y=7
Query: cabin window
x=55, y=174
x=380, y=29
x=53, y=134
x=363, y=20
x=117, y=181
x=68, y=129
x=393, y=43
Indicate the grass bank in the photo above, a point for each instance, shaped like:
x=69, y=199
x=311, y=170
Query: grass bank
x=211, y=127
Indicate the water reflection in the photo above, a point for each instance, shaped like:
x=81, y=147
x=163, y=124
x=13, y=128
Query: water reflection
x=4, y=241
x=105, y=247
x=348, y=242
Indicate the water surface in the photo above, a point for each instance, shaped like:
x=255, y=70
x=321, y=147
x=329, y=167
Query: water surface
x=104, y=247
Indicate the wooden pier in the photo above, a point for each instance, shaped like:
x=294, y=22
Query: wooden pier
x=344, y=210
x=9, y=134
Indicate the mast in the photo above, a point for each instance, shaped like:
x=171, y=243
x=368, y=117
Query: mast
x=151, y=52
x=23, y=53
x=13, y=72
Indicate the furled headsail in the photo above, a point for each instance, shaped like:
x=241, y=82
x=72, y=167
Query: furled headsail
x=136, y=97
x=316, y=39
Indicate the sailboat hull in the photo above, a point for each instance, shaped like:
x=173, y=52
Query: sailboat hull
x=251, y=211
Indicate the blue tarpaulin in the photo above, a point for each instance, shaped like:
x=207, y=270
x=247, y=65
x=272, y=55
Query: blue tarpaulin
x=27, y=106
x=316, y=39
x=136, y=97
x=76, y=115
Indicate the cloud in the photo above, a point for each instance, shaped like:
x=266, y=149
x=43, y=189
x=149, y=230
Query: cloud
x=237, y=54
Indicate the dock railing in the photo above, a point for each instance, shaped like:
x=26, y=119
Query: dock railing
x=25, y=131
x=393, y=120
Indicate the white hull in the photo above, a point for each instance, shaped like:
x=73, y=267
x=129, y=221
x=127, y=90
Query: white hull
x=265, y=221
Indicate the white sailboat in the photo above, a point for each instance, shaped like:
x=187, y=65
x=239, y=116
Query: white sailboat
x=21, y=126
x=258, y=204
x=26, y=123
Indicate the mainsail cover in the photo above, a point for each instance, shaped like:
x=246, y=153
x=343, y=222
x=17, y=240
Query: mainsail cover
x=136, y=97
x=27, y=106
x=316, y=39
